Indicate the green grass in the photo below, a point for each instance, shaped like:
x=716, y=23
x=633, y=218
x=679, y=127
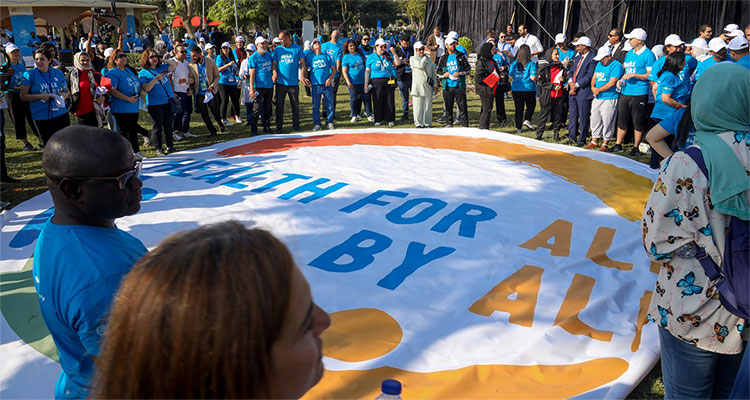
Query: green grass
x=27, y=165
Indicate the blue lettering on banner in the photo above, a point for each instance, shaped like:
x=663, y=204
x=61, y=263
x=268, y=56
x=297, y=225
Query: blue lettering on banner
x=312, y=187
x=217, y=176
x=469, y=220
x=414, y=259
x=361, y=256
x=197, y=166
x=373, y=199
x=396, y=216
x=174, y=164
x=271, y=185
x=235, y=183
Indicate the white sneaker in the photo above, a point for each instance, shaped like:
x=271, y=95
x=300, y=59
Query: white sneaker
x=316, y=128
x=228, y=123
x=146, y=142
x=188, y=134
x=390, y=124
x=528, y=124
x=357, y=117
x=378, y=123
x=354, y=119
x=371, y=118
x=176, y=137
x=139, y=156
x=237, y=120
x=330, y=126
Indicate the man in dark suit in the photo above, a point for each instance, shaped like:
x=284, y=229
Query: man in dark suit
x=579, y=88
x=615, y=42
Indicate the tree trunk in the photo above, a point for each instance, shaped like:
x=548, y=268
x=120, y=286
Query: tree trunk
x=273, y=20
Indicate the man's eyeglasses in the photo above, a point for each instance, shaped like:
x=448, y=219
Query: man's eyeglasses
x=122, y=180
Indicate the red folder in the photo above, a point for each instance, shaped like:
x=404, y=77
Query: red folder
x=491, y=80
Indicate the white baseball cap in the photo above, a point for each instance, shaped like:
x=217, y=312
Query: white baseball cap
x=673, y=40
x=731, y=27
x=187, y=36
x=738, y=43
x=716, y=44
x=584, y=40
x=699, y=43
x=202, y=39
x=450, y=40
x=250, y=47
x=226, y=44
x=418, y=45
x=107, y=52
x=560, y=38
x=380, y=41
x=636, y=33
x=276, y=40
x=210, y=46
x=658, y=51
x=735, y=33
x=259, y=40
x=11, y=47
x=603, y=52
x=239, y=38
x=453, y=34
x=315, y=40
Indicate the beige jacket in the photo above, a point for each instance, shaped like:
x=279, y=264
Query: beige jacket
x=212, y=73
x=421, y=69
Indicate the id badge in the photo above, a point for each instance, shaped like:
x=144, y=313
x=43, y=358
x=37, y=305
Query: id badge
x=391, y=81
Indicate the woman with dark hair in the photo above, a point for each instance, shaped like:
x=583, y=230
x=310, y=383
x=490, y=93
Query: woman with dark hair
x=18, y=109
x=83, y=95
x=486, y=66
x=228, y=90
x=221, y=311
x=523, y=71
x=155, y=82
x=46, y=90
x=125, y=91
x=353, y=70
x=381, y=72
x=671, y=95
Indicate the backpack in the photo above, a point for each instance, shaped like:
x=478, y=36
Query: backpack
x=732, y=278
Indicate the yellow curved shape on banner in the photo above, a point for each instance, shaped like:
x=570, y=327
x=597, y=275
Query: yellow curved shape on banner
x=361, y=334
x=475, y=382
x=624, y=191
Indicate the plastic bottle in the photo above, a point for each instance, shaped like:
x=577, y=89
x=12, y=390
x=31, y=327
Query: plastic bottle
x=391, y=390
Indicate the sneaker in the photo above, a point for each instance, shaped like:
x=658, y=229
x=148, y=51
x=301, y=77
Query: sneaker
x=146, y=142
x=237, y=120
x=357, y=117
x=633, y=152
x=617, y=148
x=448, y=126
x=370, y=118
x=139, y=156
x=176, y=137
x=528, y=124
x=354, y=119
x=28, y=147
x=170, y=150
x=604, y=147
x=227, y=123
x=378, y=123
x=159, y=152
x=330, y=126
x=591, y=145
x=519, y=130
x=442, y=120
x=390, y=124
x=316, y=127
x=188, y=134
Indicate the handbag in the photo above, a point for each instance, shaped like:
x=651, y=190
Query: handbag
x=175, y=106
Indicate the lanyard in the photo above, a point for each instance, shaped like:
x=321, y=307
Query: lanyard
x=47, y=81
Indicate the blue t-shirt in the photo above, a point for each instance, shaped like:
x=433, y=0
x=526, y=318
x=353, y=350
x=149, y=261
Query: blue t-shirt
x=53, y=81
x=127, y=83
x=287, y=64
x=161, y=92
x=320, y=68
x=367, y=52
x=462, y=49
x=334, y=51
x=501, y=59
x=569, y=54
x=263, y=65
x=604, y=74
x=356, y=65
x=15, y=80
x=691, y=62
x=744, y=61
x=670, y=84
x=380, y=67
x=77, y=271
x=637, y=64
x=671, y=123
x=522, y=79
x=703, y=66
x=451, y=66
x=190, y=43
x=138, y=44
x=229, y=75
x=684, y=75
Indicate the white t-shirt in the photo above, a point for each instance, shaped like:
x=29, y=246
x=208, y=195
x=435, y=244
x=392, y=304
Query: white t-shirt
x=533, y=42
x=441, y=45
x=182, y=71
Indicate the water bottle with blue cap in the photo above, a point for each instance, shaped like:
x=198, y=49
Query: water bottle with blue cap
x=391, y=390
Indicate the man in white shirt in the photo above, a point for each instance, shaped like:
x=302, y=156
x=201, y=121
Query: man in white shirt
x=182, y=82
x=524, y=37
x=436, y=44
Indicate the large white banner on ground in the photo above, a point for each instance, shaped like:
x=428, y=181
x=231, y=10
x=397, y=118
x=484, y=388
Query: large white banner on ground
x=464, y=263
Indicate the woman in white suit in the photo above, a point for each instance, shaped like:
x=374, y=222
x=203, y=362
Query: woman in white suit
x=423, y=81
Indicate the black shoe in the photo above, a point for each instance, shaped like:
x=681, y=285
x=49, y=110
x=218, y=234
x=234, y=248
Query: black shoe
x=404, y=117
x=298, y=128
x=556, y=136
x=266, y=130
x=159, y=152
x=633, y=152
x=442, y=120
x=28, y=147
x=8, y=179
x=170, y=150
x=222, y=128
x=539, y=136
x=616, y=149
x=570, y=142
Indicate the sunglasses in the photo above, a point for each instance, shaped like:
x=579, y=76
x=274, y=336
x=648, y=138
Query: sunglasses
x=122, y=179
x=122, y=56
x=183, y=51
x=365, y=38
x=154, y=56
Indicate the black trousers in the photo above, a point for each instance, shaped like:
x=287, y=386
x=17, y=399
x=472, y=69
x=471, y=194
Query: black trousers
x=128, y=125
x=229, y=92
x=486, y=111
x=554, y=111
x=88, y=119
x=162, y=117
x=521, y=100
x=281, y=94
x=500, y=107
x=459, y=97
x=203, y=108
x=383, y=103
x=48, y=127
x=20, y=115
x=262, y=108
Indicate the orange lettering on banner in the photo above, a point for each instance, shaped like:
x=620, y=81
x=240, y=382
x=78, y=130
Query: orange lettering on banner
x=561, y=231
x=525, y=283
x=575, y=301
x=598, y=250
x=642, y=319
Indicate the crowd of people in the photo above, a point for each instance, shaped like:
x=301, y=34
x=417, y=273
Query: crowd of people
x=81, y=257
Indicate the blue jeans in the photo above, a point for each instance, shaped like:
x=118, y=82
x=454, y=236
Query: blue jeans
x=357, y=96
x=692, y=373
x=326, y=92
x=404, y=87
x=181, y=121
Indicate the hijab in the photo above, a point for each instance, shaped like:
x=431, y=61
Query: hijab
x=721, y=103
x=77, y=62
x=487, y=51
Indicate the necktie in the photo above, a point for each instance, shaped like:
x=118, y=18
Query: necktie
x=578, y=67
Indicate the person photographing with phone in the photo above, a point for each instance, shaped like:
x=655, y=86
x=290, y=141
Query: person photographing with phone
x=154, y=80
